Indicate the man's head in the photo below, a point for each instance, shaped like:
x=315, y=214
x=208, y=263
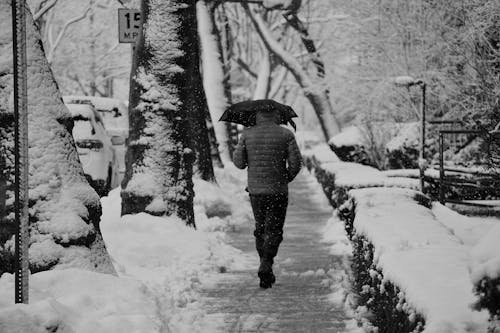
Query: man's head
x=268, y=116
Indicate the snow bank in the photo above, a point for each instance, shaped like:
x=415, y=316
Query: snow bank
x=75, y=300
x=161, y=266
x=222, y=203
x=419, y=255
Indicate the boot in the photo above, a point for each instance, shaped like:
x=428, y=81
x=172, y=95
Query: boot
x=266, y=274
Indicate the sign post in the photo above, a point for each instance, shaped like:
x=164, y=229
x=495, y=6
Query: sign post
x=20, y=150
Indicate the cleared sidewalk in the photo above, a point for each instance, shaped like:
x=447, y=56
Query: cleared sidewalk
x=298, y=301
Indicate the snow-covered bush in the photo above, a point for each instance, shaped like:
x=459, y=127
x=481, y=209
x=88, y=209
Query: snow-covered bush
x=485, y=267
x=402, y=149
x=350, y=146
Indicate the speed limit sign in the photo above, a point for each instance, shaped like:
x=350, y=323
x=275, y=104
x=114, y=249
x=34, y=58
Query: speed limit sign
x=129, y=25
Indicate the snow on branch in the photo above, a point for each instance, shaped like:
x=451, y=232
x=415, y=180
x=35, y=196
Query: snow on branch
x=44, y=9
x=54, y=45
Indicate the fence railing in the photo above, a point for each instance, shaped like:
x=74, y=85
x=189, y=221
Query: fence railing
x=462, y=177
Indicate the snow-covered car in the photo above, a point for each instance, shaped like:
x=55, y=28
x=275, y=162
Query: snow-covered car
x=95, y=148
x=114, y=113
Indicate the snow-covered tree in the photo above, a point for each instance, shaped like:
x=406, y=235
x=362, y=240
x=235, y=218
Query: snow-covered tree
x=64, y=209
x=158, y=177
x=313, y=86
x=214, y=74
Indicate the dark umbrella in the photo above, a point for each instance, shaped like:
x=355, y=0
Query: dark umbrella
x=244, y=113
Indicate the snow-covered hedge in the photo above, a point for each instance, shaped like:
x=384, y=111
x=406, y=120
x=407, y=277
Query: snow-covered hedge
x=409, y=268
x=337, y=178
x=485, y=269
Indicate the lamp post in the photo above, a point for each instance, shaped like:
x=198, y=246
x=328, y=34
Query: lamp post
x=408, y=81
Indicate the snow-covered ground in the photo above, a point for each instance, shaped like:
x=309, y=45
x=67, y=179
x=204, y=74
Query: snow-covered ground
x=160, y=262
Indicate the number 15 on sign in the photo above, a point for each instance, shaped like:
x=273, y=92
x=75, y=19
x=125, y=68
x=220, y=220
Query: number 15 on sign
x=129, y=25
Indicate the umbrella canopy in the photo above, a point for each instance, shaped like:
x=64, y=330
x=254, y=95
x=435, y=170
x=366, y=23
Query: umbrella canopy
x=244, y=113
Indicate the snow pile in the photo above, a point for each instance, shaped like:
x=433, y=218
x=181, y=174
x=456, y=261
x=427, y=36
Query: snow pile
x=75, y=300
x=222, y=203
x=419, y=255
x=161, y=265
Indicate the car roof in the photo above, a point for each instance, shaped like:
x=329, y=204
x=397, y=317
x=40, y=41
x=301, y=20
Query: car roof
x=86, y=111
x=100, y=103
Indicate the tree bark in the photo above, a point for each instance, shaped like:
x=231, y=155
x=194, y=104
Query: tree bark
x=214, y=74
x=315, y=92
x=196, y=102
x=159, y=158
x=64, y=210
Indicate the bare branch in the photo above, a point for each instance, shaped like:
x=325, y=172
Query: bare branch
x=53, y=46
x=112, y=75
x=297, y=24
x=78, y=81
x=44, y=9
x=245, y=67
x=108, y=52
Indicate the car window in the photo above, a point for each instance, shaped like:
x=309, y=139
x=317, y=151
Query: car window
x=83, y=128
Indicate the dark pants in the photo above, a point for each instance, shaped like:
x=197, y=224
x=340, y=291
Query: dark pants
x=269, y=211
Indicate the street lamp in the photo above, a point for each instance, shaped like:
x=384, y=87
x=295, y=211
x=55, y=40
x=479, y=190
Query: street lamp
x=408, y=81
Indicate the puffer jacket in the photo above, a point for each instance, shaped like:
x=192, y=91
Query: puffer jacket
x=272, y=156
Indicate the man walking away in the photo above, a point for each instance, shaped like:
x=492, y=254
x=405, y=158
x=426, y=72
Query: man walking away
x=273, y=159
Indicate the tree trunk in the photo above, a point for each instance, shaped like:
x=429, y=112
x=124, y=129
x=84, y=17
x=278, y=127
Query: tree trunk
x=214, y=74
x=315, y=92
x=262, y=86
x=64, y=210
x=159, y=160
x=196, y=101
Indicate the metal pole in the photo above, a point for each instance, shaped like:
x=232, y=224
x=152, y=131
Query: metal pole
x=422, y=140
x=20, y=150
x=441, y=168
